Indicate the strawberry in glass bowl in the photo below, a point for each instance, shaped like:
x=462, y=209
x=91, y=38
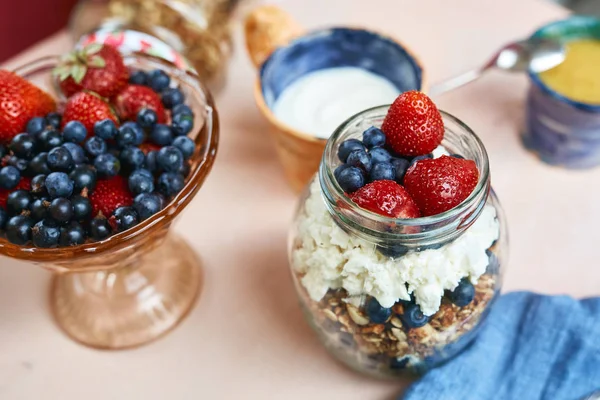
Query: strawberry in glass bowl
x=398, y=244
x=102, y=154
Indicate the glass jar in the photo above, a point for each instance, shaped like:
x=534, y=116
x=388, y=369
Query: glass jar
x=378, y=290
x=192, y=34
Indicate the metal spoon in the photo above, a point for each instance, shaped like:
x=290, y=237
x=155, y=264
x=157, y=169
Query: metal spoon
x=533, y=54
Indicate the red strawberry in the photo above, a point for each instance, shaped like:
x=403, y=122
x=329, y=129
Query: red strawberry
x=386, y=198
x=413, y=125
x=88, y=109
x=20, y=101
x=441, y=184
x=136, y=97
x=96, y=67
x=109, y=195
x=24, y=183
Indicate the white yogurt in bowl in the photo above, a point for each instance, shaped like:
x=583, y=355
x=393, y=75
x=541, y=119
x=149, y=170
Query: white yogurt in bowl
x=318, y=102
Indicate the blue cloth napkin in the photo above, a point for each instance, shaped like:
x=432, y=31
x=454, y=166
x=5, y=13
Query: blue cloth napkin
x=531, y=347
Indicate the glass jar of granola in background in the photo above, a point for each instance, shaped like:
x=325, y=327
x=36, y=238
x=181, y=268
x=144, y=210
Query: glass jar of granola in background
x=391, y=295
x=193, y=34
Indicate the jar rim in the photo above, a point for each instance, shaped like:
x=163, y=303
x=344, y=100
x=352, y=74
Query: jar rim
x=336, y=196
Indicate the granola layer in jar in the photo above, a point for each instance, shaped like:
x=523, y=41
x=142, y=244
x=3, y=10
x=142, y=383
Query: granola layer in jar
x=388, y=295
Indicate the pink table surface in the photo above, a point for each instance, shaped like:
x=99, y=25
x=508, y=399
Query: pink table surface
x=246, y=337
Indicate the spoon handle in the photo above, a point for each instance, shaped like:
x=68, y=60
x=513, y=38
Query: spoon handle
x=456, y=82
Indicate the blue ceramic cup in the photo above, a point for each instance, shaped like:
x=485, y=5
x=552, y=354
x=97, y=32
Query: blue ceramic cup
x=300, y=152
x=559, y=130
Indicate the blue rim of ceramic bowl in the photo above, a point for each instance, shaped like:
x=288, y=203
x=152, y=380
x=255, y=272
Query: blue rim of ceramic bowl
x=577, y=20
x=414, y=60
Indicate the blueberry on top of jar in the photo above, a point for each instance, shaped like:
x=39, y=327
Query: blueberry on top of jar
x=373, y=137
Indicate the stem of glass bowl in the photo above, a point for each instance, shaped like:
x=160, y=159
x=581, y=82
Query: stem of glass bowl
x=132, y=304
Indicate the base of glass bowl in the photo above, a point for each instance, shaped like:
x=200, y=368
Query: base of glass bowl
x=130, y=305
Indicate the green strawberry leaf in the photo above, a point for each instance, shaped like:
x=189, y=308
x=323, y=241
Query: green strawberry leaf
x=92, y=48
x=78, y=72
x=96, y=62
x=61, y=72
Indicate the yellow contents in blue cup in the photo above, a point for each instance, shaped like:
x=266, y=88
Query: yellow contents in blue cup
x=578, y=77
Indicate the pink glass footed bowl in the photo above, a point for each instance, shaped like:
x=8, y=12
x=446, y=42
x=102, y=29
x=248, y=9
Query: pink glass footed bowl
x=137, y=285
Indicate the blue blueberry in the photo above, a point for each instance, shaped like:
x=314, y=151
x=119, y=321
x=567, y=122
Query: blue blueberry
x=61, y=210
x=351, y=179
x=72, y=235
x=18, y=163
x=136, y=129
x=339, y=169
x=401, y=166
x=38, y=184
x=83, y=177
x=158, y=80
x=413, y=317
x=170, y=159
x=182, y=109
x=107, y=165
x=50, y=139
x=23, y=146
x=126, y=218
x=125, y=136
x=347, y=147
x=169, y=183
x=376, y=313
x=138, y=78
x=35, y=126
x=38, y=165
x=140, y=182
x=82, y=208
x=379, y=155
x=161, y=134
x=99, y=229
x=419, y=158
x=132, y=157
x=77, y=152
x=95, y=146
x=75, y=131
x=151, y=163
x=144, y=172
x=147, y=204
x=60, y=159
x=373, y=137
x=9, y=177
x=54, y=119
x=147, y=118
x=39, y=208
x=172, y=97
x=3, y=151
x=185, y=145
x=463, y=294
x=360, y=158
x=399, y=363
x=58, y=184
x=3, y=218
x=18, y=229
x=18, y=201
x=381, y=171
x=182, y=124
x=105, y=129
x=393, y=250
